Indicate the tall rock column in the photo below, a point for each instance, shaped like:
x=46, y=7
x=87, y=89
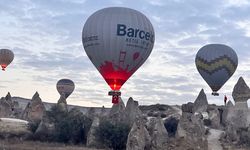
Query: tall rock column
x=5, y=108
x=138, y=138
x=62, y=104
x=238, y=115
x=241, y=93
x=158, y=134
x=116, y=113
x=34, y=110
x=132, y=111
x=191, y=130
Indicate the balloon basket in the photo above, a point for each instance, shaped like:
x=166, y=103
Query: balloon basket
x=215, y=94
x=115, y=96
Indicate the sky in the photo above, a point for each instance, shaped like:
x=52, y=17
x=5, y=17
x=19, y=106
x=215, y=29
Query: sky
x=45, y=36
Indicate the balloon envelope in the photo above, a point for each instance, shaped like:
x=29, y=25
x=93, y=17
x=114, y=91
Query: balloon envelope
x=65, y=87
x=118, y=41
x=6, y=57
x=216, y=63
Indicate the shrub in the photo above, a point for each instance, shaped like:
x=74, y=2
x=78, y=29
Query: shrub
x=113, y=136
x=244, y=135
x=151, y=113
x=32, y=126
x=156, y=114
x=73, y=128
x=207, y=122
x=70, y=127
x=171, y=126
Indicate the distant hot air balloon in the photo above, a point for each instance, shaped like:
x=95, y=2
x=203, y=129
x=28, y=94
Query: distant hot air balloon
x=118, y=41
x=65, y=87
x=216, y=63
x=6, y=57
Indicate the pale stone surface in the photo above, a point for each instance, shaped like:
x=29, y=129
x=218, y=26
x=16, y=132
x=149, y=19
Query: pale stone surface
x=238, y=117
x=200, y=104
x=138, y=138
x=241, y=105
x=132, y=111
x=191, y=132
x=117, y=112
x=214, y=116
x=213, y=139
x=158, y=134
x=117, y=108
x=13, y=127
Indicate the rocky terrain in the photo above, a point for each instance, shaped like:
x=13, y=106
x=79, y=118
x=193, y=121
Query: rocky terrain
x=196, y=125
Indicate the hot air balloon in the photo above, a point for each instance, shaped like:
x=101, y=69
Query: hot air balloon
x=118, y=41
x=65, y=87
x=6, y=57
x=216, y=63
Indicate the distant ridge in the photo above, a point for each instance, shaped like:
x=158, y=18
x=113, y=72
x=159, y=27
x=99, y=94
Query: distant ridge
x=24, y=101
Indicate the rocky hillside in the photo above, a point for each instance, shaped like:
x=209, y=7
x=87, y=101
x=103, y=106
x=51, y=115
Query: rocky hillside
x=196, y=125
x=24, y=101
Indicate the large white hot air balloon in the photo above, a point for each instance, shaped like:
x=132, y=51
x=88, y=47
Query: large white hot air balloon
x=118, y=41
x=6, y=57
x=65, y=87
x=216, y=63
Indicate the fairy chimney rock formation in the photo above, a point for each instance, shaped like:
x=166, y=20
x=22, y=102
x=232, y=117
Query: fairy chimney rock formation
x=116, y=113
x=120, y=106
x=241, y=93
x=238, y=114
x=200, y=104
x=8, y=98
x=138, y=138
x=158, y=134
x=191, y=132
x=62, y=104
x=187, y=108
x=229, y=104
x=92, y=140
x=34, y=110
x=132, y=111
x=5, y=108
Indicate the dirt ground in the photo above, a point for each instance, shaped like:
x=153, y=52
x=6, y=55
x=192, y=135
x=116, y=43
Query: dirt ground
x=33, y=145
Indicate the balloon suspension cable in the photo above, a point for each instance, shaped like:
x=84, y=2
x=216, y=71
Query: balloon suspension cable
x=115, y=96
x=215, y=93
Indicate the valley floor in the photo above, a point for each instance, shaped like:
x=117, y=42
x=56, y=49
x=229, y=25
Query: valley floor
x=213, y=140
x=33, y=145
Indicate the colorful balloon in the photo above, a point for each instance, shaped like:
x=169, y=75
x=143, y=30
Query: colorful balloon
x=118, y=41
x=6, y=57
x=216, y=63
x=65, y=87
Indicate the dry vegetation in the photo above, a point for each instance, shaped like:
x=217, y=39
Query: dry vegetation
x=33, y=145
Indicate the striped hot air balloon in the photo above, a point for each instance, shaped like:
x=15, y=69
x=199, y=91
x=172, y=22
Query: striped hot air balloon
x=65, y=87
x=118, y=41
x=216, y=63
x=6, y=57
